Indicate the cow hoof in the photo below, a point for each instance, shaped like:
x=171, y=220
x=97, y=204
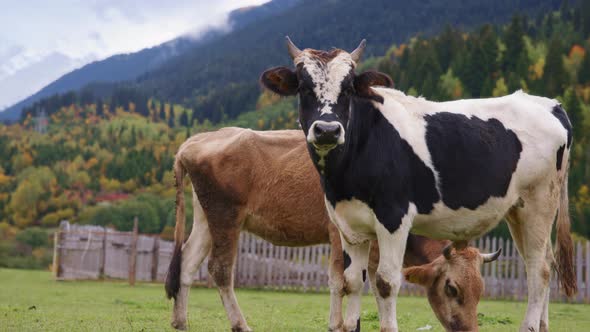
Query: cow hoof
x=337, y=328
x=241, y=329
x=179, y=325
x=354, y=328
x=544, y=327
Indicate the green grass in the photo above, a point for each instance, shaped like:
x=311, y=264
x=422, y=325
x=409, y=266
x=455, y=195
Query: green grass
x=33, y=301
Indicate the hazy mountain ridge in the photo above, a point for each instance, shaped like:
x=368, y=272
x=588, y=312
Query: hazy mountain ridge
x=127, y=67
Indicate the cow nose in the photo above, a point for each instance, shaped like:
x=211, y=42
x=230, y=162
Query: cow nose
x=327, y=133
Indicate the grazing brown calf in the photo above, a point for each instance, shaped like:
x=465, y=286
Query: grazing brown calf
x=263, y=183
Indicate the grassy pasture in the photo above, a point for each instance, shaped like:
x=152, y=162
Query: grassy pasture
x=33, y=301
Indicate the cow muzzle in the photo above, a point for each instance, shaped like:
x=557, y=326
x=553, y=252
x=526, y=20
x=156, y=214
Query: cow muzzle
x=325, y=135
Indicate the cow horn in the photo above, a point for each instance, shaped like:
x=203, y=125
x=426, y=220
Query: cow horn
x=487, y=258
x=447, y=251
x=293, y=50
x=358, y=52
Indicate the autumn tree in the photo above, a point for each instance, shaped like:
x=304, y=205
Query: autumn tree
x=584, y=73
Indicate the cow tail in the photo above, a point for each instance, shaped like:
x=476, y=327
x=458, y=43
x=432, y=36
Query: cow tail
x=565, y=245
x=173, y=277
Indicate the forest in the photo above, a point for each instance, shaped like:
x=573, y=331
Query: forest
x=103, y=160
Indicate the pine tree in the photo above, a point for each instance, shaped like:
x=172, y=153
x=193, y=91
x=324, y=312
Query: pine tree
x=99, y=108
x=133, y=140
x=171, y=118
x=584, y=73
x=585, y=18
x=515, y=49
x=184, y=119
x=574, y=112
x=554, y=75
x=162, y=113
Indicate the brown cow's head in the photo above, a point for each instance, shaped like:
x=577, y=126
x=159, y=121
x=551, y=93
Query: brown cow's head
x=454, y=285
x=326, y=84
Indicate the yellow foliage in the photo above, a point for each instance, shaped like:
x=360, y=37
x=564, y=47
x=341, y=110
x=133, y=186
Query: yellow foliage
x=129, y=185
x=91, y=163
x=501, y=89
x=584, y=93
x=7, y=231
x=167, y=233
x=4, y=179
x=50, y=219
x=109, y=185
x=38, y=253
x=267, y=98
x=536, y=69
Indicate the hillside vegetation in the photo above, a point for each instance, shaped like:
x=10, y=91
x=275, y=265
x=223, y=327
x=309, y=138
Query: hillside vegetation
x=105, y=161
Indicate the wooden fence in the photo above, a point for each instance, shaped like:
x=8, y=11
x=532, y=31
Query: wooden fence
x=91, y=252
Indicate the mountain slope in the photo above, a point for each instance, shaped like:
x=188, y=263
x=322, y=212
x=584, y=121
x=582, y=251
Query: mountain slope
x=126, y=67
x=219, y=78
x=210, y=79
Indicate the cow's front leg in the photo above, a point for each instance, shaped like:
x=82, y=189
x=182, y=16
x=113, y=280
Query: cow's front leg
x=392, y=246
x=356, y=257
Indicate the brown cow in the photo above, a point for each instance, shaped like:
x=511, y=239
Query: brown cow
x=264, y=183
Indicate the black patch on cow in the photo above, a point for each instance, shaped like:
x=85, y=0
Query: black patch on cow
x=560, y=114
x=358, y=325
x=559, y=157
x=379, y=168
x=474, y=158
x=347, y=260
x=364, y=275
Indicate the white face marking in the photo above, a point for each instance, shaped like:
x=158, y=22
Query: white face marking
x=327, y=78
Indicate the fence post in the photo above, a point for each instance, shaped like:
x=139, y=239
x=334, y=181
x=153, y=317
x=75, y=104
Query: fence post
x=56, y=254
x=133, y=255
x=155, y=258
x=103, y=257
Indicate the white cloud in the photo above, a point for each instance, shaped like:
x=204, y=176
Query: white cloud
x=94, y=29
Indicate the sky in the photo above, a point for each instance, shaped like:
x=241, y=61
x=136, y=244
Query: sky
x=42, y=40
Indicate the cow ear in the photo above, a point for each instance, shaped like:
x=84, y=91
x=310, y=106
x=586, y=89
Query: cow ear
x=280, y=80
x=421, y=275
x=364, y=82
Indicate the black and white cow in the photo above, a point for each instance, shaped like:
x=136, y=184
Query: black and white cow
x=392, y=163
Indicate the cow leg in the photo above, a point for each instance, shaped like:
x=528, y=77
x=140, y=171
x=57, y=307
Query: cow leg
x=545, y=315
x=195, y=249
x=392, y=247
x=221, y=268
x=355, y=262
x=373, y=264
x=336, y=280
x=530, y=226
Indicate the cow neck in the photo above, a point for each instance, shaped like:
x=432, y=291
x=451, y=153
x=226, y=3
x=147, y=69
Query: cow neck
x=350, y=171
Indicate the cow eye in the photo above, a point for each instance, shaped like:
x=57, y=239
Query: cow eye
x=450, y=290
x=347, y=91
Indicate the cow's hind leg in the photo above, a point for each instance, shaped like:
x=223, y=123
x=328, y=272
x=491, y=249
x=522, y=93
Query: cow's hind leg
x=194, y=251
x=545, y=315
x=530, y=226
